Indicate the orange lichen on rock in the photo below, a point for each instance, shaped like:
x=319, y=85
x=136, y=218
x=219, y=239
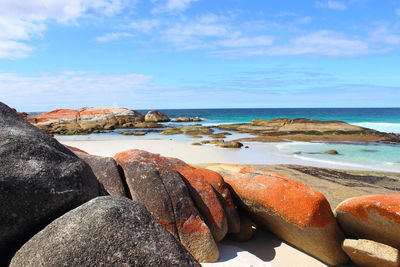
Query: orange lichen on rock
x=76, y=149
x=200, y=189
x=66, y=114
x=293, y=200
x=386, y=205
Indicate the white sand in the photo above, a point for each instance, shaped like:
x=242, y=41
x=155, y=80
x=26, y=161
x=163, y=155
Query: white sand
x=265, y=249
x=257, y=153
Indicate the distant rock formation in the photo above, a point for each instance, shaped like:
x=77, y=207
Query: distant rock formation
x=186, y=119
x=301, y=129
x=156, y=116
x=85, y=120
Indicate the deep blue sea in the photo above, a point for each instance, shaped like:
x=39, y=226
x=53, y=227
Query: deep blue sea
x=382, y=119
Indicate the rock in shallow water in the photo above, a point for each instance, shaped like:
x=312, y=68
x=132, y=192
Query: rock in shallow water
x=40, y=179
x=106, y=231
x=156, y=116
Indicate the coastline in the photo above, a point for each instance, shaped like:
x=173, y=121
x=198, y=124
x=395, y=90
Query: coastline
x=257, y=153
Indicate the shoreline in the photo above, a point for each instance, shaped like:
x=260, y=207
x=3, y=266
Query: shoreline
x=257, y=153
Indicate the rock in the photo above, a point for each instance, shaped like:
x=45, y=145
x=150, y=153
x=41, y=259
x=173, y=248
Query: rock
x=106, y=171
x=196, y=144
x=281, y=130
x=156, y=116
x=22, y=114
x=230, y=144
x=166, y=196
x=292, y=210
x=186, y=119
x=74, y=149
x=196, y=130
x=201, y=190
x=106, y=231
x=220, y=135
x=171, y=131
x=301, y=124
x=331, y=152
x=246, y=231
x=40, y=179
x=85, y=120
x=371, y=254
x=375, y=217
x=146, y=124
x=136, y=133
x=222, y=190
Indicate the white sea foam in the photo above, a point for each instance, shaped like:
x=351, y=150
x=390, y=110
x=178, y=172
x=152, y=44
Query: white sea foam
x=380, y=126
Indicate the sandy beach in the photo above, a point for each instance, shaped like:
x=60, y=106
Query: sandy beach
x=257, y=153
x=265, y=249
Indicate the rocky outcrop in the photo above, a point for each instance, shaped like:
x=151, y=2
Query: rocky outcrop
x=293, y=211
x=186, y=119
x=331, y=152
x=106, y=171
x=230, y=144
x=374, y=217
x=156, y=116
x=85, y=120
x=189, y=130
x=153, y=182
x=106, y=231
x=371, y=254
x=40, y=179
x=302, y=124
x=301, y=129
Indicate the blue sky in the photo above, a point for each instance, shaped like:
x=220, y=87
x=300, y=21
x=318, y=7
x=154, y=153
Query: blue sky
x=199, y=53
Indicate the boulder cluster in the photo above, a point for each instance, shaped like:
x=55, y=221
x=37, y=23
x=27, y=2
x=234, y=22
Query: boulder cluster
x=64, y=207
x=88, y=120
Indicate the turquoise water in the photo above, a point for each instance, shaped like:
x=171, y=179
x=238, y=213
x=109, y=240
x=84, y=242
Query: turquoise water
x=382, y=119
x=376, y=156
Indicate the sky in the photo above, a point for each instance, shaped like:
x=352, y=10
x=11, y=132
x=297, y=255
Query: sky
x=171, y=54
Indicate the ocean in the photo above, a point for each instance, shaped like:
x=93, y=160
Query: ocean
x=381, y=119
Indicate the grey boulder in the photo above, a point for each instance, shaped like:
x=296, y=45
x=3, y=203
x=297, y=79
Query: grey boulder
x=106, y=231
x=39, y=181
x=106, y=171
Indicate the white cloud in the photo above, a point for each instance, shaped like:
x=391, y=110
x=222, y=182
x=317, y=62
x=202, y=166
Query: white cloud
x=76, y=88
x=246, y=41
x=385, y=33
x=14, y=50
x=20, y=22
x=173, y=6
x=112, y=36
x=145, y=25
x=331, y=4
x=320, y=43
